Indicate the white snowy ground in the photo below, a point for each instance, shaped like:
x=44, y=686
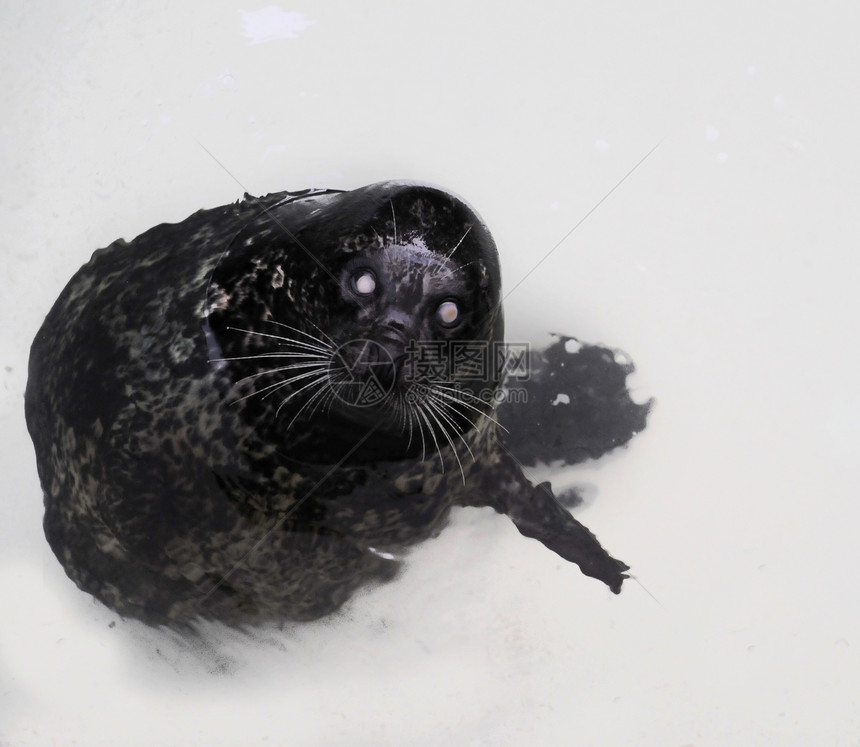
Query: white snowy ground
x=725, y=265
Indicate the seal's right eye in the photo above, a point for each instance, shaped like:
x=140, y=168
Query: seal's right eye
x=363, y=282
x=448, y=313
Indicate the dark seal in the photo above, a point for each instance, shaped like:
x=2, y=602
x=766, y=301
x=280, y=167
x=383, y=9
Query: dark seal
x=246, y=415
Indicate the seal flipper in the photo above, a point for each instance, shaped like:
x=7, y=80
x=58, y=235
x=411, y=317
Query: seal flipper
x=577, y=405
x=537, y=513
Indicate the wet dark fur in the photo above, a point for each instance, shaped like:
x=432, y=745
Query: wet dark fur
x=198, y=450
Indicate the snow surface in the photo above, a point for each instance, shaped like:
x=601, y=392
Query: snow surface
x=725, y=266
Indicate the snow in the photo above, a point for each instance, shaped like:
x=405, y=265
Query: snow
x=737, y=508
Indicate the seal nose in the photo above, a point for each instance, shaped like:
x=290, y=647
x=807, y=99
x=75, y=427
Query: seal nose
x=398, y=327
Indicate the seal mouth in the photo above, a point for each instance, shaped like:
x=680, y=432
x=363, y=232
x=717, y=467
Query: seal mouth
x=413, y=407
x=363, y=373
x=393, y=340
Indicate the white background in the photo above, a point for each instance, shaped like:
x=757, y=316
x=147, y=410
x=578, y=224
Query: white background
x=725, y=265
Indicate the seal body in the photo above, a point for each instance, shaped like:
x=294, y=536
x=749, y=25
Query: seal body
x=246, y=415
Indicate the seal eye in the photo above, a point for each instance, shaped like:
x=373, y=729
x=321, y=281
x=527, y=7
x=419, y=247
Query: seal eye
x=448, y=313
x=363, y=282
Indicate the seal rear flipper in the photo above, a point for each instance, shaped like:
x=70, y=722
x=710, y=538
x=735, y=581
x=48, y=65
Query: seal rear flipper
x=573, y=406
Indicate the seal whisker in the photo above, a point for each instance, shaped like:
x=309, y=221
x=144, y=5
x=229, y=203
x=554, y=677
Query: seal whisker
x=271, y=388
x=405, y=425
x=269, y=372
x=330, y=342
x=410, y=408
x=287, y=382
x=461, y=267
x=321, y=347
x=446, y=391
x=330, y=401
x=265, y=356
x=340, y=384
x=441, y=270
x=457, y=245
x=432, y=409
x=321, y=381
x=405, y=416
x=316, y=397
x=444, y=409
x=318, y=346
x=413, y=409
x=331, y=396
x=466, y=419
x=420, y=411
x=325, y=401
x=452, y=397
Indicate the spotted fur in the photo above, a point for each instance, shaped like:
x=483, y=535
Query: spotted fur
x=175, y=488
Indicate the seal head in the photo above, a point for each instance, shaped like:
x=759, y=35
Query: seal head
x=357, y=304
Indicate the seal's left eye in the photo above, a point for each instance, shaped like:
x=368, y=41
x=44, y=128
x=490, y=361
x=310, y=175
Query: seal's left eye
x=363, y=282
x=448, y=313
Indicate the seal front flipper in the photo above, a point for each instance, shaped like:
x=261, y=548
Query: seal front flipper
x=537, y=513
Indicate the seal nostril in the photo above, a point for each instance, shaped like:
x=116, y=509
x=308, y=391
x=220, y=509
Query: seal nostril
x=398, y=323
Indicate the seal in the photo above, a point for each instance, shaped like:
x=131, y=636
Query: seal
x=247, y=415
